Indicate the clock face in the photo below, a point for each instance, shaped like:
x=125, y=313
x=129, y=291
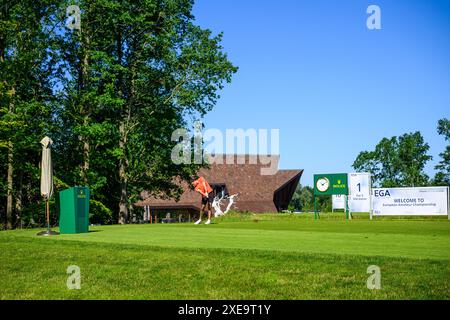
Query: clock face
x=323, y=184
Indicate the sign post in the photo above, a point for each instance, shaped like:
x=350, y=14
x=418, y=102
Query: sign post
x=348, y=216
x=315, y=208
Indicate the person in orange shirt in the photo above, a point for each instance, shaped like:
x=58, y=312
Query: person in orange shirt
x=202, y=186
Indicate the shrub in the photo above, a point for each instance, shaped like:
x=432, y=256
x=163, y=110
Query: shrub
x=99, y=213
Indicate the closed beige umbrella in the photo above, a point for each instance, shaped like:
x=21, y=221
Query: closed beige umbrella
x=46, y=169
x=47, y=181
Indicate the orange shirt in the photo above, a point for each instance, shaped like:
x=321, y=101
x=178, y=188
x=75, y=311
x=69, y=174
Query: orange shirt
x=202, y=186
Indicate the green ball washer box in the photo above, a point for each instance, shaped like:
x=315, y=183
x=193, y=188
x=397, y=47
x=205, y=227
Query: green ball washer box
x=74, y=210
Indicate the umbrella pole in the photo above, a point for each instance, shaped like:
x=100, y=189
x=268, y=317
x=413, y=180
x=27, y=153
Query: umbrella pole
x=48, y=232
x=48, y=215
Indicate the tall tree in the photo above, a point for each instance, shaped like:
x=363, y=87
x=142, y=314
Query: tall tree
x=396, y=162
x=87, y=99
x=166, y=68
x=383, y=163
x=25, y=92
x=412, y=156
x=110, y=94
x=133, y=74
x=442, y=176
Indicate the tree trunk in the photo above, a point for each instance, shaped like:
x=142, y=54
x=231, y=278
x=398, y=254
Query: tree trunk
x=86, y=151
x=10, y=182
x=123, y=203
x=19, y=194
x=83, y=86
x=10, y=174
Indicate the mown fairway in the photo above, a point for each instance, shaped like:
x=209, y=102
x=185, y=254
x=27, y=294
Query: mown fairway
x=250, y=257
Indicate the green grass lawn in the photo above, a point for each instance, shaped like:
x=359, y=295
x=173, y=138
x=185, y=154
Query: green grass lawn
x=238, y=257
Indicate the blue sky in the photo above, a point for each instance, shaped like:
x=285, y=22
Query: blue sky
x=334, y=88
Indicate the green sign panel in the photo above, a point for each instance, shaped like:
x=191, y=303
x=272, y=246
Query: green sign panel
x=330, y=184
x=74, y=210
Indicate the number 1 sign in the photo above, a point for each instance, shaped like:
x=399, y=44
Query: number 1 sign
x=359, y=193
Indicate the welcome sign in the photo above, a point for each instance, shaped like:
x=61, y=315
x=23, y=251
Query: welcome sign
x=422, y=201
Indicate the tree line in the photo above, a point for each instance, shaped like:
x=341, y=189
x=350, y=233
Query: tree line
x=395, y=162
x=109, y=93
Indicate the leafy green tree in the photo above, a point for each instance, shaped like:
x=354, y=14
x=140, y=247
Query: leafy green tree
x=85, y=133
x=396, y=162
x=25, y=97
x=412, y=156
x=442, y=176
x=137, y=70
x=167, y=68
x=306, y=199
x=303, y=200
x=383, y=163
x=110, y=94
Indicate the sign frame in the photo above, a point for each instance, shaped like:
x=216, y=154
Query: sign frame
x=368, y=185
x=328, y=184
x=428, y=187
x=337, y=199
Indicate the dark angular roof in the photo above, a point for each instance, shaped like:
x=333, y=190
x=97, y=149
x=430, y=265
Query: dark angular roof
x=257, y=192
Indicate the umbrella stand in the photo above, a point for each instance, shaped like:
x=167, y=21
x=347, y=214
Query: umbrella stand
x=48, y=232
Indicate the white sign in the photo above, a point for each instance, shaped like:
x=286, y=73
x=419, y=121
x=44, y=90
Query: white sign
x=338, y=201
x=359, y=189
x=424, y=201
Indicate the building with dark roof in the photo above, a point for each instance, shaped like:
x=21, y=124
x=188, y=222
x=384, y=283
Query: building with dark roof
x=257, y=192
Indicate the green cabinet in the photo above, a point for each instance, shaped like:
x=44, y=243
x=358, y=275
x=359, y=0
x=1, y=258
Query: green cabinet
x=74, y=210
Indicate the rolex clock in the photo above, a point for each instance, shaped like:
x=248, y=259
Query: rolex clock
x=323, y=184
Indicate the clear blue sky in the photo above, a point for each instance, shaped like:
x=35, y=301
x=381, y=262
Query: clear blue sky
x=334, y=88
